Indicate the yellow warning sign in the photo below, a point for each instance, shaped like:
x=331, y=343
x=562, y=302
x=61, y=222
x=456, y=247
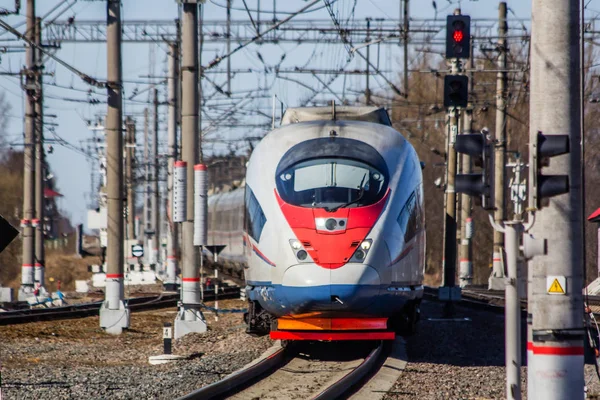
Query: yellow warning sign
x=556, y=284
x=556, y=288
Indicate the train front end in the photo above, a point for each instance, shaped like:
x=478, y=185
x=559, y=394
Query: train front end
x=326, y=252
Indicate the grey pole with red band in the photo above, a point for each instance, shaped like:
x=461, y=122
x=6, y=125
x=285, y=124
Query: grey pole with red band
x=189, y=318
x=27, y=274
x=555, y=349
x=173, y=167
x=114, y=315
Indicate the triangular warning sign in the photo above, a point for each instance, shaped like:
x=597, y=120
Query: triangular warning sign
x=556, y=287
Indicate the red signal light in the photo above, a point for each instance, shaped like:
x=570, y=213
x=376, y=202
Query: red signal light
x=458, y=36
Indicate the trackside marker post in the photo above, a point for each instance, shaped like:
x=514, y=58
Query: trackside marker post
x=167, y=337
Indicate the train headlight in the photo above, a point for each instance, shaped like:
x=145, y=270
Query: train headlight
x=302, y=254
x=361, y=253
x=296, y=245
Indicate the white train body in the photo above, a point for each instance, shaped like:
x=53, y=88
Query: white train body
x=333, y=221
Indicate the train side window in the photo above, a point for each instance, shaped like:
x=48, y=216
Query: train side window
x=409, y=218
x=255, y=217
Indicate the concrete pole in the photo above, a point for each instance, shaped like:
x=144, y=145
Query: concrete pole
x=228, y=46
x=27, y=267
x=173, y=231
x=189, y=319
x=367, y=39
x=465, y=275
x=556, y=355
x=114, y=316
x=405, y=44
x=496, y=280
x=130, y=156
x=147, y=227
x=155, y=187
x=512, y=311
x=40, y=174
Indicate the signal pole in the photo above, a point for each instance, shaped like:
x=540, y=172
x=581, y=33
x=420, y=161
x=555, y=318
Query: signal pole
x=114, y=315
x=173, y=231
x=456, y=94
x=40, y=174
x=189, y=318
x=147, y=206
x=496, y=280
x=555, y=349
x=27, y=267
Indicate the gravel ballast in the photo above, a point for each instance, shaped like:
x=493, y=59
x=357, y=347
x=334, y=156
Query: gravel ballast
x=461, y=360
x=75, y=359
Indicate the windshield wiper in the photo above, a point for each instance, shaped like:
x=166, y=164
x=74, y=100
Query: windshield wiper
x=359, y=198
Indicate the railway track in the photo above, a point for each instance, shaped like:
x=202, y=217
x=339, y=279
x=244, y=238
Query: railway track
x=90, y=309
x=318, y=371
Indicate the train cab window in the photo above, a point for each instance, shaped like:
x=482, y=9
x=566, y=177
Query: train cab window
x=331, y=183
x=255, y=217
x=411, y=217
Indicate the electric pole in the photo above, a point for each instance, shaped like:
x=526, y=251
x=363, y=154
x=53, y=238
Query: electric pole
x=555, y=353
x=189, y=318
x=228, y=46
x=155, y=187
x=129, y=178
x=27, y=268
x=114, y=315
x=405, y=29
x=367, y=40
x=40, y=174
x=147, y=206
x=465, y=274
x=496, y=280
x=173, y=231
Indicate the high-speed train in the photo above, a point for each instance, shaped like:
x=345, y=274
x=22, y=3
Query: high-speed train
x=329, y=229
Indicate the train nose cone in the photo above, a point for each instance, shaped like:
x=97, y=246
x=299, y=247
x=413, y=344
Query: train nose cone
x=309, y=287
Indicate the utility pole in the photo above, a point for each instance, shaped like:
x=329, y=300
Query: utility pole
x=367, y=40
x=27, y=267
x=496, y=280
x=155, y=186
x=465, y=274
x=555, y=353
x=228, y=46
x=114, y=315
x=40, y=174
x=147, y=200
x=405, y=44
x=189, y=318
x=129, y=159
x=173, y=231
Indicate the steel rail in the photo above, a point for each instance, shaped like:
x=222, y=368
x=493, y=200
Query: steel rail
x=351, y=379
x=238, y=379
x=91, y=309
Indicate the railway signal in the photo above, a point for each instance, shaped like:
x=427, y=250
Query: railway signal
x=456, y=91
x=458, y=36
x=479, y=184
x=545, y=186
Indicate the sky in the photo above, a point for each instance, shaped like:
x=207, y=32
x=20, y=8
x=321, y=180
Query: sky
x=72, y=168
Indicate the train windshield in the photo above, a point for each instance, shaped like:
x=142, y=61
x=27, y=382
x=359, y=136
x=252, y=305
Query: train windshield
x=331, y=183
